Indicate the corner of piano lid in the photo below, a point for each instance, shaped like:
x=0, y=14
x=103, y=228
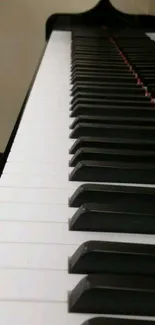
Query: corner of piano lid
x=102, y=14
x=65, y=20
x=95, y=16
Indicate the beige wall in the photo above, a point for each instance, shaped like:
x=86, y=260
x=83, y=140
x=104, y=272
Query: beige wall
x=22, y=38
x=135, y=6
x=22, y=30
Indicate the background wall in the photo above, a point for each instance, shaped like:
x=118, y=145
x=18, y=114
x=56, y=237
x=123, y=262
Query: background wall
x=22, y=38
x=135, y=6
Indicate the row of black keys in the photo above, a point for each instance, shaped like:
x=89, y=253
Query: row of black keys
x=98, y=108
x=120, y=276
x=140, y=52
x=109, y=158
x=113, y=208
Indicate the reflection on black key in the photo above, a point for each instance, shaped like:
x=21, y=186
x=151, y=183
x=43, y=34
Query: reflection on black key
x=111, y=101
x=116, y=321
x=120, y=197
x=113, y=217
x=116, y=85
x=112, y=130
x=97, y=63
x=112, y=155
x=113, y=96
x=108, y=89
x=112, y=143
x=98, y=73
x=114, y=294
x=113, y=120
x=113, y=172
x=101, y=70
x=83, y=77
x=96, y=58
x=112, y=110
x=113, y=258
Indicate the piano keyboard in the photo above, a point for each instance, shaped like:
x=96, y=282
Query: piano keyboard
x=77, y=195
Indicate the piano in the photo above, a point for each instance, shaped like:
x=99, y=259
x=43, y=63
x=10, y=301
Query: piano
x=77, y=187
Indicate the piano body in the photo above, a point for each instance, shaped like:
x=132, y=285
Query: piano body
x=77, y=242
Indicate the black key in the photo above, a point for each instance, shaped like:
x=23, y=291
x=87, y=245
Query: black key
x=113, y=258
x=117, y=84
x=147, y=77
x=113, y=171
x=136, y=45
x=113, y=217
x=141, y=53
x=141, y=62
x=114, y=294
x=147, y=72
x=116, y=321
x=146, y=67
x=98, y=70
x=104, y=39
x=130, y=198
x=113, y=110
x=93, y=43
x=114, y=96
x=82, y=77
x=99, y=76
x=92, y=64
x=86, y=50
x=96, y=64
x=106, y=89
x=105, y=50
x=104, y=64
x=112, y=143
x=112, y=154
x=138, y=51
x=110, y=101
x=96, y=58
x=113, y=120
x=151, y=87
x=111, y=130
x=118, y=73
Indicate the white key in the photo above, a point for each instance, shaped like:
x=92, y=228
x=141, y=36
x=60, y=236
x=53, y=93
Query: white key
x=41, y=154
x=42, y=180
x=33, y=195
x=15, y=211
x=35, y=242
x=36, y=285
x=44, y=314
x=35, y=256
x=57, y=168
x=57, y=233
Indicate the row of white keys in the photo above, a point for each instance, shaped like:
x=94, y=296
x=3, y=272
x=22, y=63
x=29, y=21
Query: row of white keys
x=34, y=191
x=35, y=242
x=33, y=269
x=42, y=313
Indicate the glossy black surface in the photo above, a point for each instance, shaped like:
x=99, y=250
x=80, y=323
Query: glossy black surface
x=113, y=258
x=113, y=217
x=128, y=198
x=116, y=321
x=113, y=172
x=114, y=294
